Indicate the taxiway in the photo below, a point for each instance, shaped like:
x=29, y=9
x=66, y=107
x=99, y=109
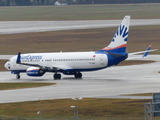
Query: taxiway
x=107, y=83
x=12, y=27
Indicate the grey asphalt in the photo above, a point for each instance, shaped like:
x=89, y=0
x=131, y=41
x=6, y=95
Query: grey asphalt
x=113, y=82
x=12, y=27
x=107, y=83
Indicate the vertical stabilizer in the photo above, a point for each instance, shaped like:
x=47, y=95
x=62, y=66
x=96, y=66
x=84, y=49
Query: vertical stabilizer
x=119, y=42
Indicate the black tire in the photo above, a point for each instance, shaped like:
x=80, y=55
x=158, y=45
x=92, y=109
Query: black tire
x=18, y=76
x=78, y=75
x=57, y=76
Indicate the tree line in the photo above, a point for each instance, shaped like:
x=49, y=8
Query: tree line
x=51, y=2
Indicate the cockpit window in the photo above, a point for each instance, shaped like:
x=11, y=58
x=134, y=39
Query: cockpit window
x=9, y=60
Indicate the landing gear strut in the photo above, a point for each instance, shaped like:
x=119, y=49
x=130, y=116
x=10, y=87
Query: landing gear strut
x=57, y=76
x=78, y=75
x=18, y=76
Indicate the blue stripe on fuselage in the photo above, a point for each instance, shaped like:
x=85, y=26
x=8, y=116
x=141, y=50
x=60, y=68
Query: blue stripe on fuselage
x=17, y=71
x=113, y=60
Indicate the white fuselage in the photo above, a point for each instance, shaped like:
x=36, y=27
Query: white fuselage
x=64, y=60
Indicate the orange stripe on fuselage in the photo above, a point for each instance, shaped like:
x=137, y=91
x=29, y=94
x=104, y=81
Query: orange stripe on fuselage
x=108, y=48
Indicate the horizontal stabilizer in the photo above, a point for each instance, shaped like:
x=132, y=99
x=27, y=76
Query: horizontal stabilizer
x=135, y=53
x=143, y=56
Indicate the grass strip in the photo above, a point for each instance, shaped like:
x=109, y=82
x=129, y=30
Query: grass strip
x=2, y=62
x=79, y=12
x=9, y=86
x=88, y=107
x=78, y=40
x=140, y=94
x=135, y=62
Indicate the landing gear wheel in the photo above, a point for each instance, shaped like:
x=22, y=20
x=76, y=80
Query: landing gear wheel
x=78, y=75
x=18, y=76
x=57, y=76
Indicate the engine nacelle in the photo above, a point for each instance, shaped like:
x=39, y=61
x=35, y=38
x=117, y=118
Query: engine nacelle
x=34, y=71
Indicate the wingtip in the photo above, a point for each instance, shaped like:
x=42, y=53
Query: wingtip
x=18, y=57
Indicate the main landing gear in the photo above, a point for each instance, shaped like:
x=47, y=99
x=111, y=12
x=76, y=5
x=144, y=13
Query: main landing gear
x=18, y=76
x=78, y=75
x=57, y=76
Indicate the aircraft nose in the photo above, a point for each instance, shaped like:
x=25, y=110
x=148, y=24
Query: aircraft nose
x=7, y=66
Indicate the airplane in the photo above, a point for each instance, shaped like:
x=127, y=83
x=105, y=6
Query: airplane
x=73, y=63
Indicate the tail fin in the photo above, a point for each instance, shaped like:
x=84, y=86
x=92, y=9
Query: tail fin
x=119, y=41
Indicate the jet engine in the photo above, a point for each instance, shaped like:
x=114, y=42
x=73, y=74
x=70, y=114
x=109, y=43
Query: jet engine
x=34, y=71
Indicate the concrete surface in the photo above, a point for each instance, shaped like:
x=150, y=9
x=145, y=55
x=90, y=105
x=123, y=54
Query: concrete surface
x=107, y=83
x=12, y=27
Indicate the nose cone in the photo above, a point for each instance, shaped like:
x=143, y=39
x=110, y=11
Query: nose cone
x=7, y=65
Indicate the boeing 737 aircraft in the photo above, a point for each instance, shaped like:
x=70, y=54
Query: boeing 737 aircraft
x=73, y=63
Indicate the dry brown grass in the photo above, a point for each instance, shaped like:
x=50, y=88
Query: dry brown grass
x=10, y=86
x=78, y=40
x=135, y=62
x=140, y=94
x=2, y=62
x=79, y=12
x=94, y=107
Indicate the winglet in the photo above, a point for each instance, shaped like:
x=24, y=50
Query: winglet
x=18, y=58
x=147, y=51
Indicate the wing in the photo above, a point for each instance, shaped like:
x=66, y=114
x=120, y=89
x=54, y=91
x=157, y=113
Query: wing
x=43, y=66
x=143, y=56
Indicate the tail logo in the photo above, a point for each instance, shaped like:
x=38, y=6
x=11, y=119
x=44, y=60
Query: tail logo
x=122, y=32
x=119, y=41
